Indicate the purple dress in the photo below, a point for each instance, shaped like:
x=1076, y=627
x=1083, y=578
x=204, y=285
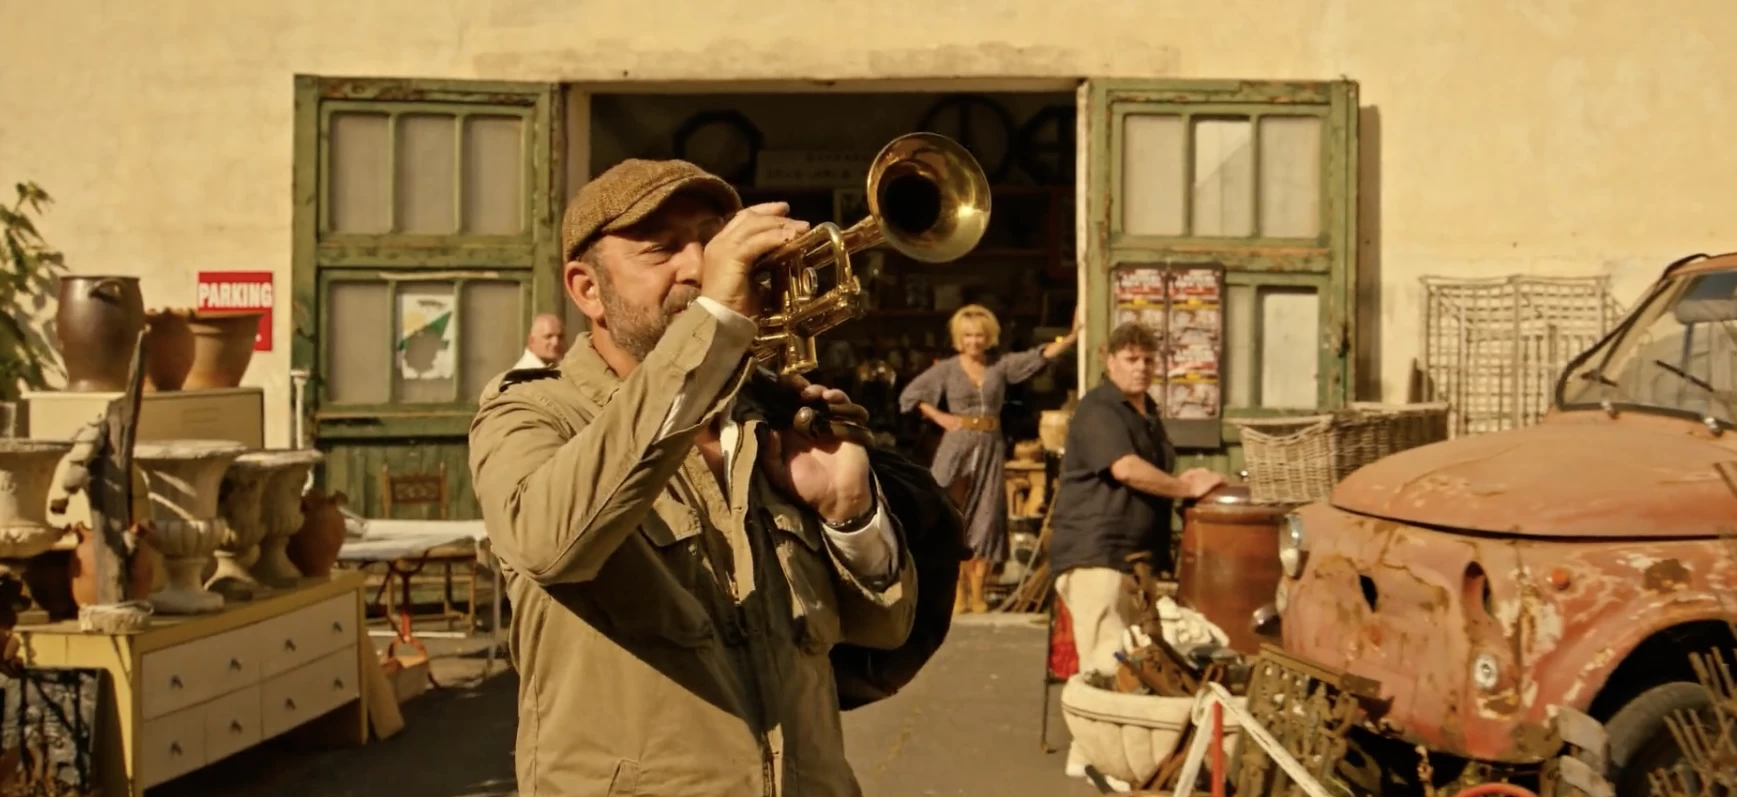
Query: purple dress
x=967, y=452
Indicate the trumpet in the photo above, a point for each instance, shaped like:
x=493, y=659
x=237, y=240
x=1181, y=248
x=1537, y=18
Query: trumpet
x=928, y=199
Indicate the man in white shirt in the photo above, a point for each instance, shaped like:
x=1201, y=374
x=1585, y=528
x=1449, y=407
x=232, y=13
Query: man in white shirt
x=546, y=342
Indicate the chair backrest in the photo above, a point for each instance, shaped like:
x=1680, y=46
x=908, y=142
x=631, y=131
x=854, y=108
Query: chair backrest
x=410, y=489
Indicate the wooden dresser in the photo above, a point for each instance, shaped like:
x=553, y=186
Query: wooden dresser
x=189, y=691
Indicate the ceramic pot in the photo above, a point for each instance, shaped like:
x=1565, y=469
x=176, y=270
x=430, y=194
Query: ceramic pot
x=141, y=567
x=168, y=349
x=281, y=509
x=26, y=472
x=183, y=478
x=222, y=347
x=314, y=547
x=241, y=504
x=1052, y=429
x=48, y=584
x=98, y=324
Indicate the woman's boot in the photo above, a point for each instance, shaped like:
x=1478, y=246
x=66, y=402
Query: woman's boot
x=979, y=571
x=961, y=596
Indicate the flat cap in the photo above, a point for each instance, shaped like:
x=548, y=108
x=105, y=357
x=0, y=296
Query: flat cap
x=629, y=191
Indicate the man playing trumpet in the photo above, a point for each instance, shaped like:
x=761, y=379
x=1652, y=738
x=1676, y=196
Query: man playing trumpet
x=679, y=564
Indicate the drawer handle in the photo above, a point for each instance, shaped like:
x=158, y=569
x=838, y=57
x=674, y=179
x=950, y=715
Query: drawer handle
x=337, y=627
x=174, y=748
x=289, y=646
x=337, y=684
x=235, y=726
x=289, y=704
x=235, y=665
x=174, y=682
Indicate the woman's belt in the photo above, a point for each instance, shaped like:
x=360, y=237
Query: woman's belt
x=979, y=423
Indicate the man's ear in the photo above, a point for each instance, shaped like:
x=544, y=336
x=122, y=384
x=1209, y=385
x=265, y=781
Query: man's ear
x=582, y=289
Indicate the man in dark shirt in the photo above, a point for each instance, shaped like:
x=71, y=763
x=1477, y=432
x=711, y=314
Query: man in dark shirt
x=1114, y=498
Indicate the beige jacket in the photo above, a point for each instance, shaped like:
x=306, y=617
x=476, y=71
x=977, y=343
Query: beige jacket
x=669, y=640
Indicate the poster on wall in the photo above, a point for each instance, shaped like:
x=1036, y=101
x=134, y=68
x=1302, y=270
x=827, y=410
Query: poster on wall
x=1183, y=306
x=238, y=291
x=425, y=336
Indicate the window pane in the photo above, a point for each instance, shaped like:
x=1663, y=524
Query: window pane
x=358, y=333
x=1290, y=342
x=357, y=154
x=494, y=171
x=491, y=333
x=1239, y=348
x=1152, y=174
x=1223, y=178
x=424, y=371
x=1290, y=194
x=425, y=170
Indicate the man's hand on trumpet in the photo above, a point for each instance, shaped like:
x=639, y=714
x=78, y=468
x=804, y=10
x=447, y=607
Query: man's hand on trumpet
x=744, y=239
x=816, y=465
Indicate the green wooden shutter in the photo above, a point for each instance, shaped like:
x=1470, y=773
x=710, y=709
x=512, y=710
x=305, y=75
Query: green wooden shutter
x=1258, y=179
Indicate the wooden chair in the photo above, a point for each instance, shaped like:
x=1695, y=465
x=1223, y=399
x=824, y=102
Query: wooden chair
x=429, y=489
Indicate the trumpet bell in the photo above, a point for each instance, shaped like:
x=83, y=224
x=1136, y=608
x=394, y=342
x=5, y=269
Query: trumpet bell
x=930, y=196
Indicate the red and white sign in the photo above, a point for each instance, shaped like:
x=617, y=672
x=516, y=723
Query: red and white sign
x=239, y=290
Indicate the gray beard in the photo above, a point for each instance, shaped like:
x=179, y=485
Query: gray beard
x=636, y=330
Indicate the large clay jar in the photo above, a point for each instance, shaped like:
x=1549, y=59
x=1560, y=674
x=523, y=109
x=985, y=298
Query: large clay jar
x=168, y=349
x=1226, y=569
x=314, y=547
x=281, y=509
x=141, y=568
x=98, y=324
x=184, y=478
x=222, y=347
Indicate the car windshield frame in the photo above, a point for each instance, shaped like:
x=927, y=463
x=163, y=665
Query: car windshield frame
x=1589, y=381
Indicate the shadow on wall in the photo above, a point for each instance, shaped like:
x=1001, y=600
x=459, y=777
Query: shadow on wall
x=1368, y=344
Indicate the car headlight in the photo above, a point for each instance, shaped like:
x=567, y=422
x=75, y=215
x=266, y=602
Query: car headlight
x=1486, y=671
x=1291, y=546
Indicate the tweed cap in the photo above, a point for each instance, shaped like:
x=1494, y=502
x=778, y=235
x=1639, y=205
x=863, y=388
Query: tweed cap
x=629, y=191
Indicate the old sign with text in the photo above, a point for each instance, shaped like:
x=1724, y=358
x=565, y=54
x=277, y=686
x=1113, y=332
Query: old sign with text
x=239, y=290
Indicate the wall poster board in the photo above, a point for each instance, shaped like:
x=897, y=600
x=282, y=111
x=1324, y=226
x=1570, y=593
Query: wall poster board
x=1182, y=303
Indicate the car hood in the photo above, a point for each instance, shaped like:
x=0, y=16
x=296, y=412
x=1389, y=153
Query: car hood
x=1553, y=480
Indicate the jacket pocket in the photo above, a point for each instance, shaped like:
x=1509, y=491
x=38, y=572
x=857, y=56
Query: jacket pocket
x=807, y=567
x=647, y=588
x=625, y=783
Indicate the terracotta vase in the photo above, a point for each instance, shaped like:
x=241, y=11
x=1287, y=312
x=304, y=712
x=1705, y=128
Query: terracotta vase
x=141, y=567
x=168, y=349
x=183, y=478
x=314, y=547
x=222, y=347
x=98, y=324
x=281, y=509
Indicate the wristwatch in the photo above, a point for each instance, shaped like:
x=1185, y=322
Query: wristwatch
x=859, y=522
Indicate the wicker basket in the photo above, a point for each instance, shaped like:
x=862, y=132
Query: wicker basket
x=1289, y=460
x=1298, y=460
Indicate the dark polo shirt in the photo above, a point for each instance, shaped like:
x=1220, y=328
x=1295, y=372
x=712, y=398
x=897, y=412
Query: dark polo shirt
x=1097, y=520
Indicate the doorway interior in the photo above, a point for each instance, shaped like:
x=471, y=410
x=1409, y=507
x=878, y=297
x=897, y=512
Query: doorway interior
x=813, y=149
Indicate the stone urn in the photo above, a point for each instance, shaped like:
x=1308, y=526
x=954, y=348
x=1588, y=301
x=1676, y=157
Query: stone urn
x=241, y=504
x=184, y=478
x=222, y=347
x=98, y=324
x=168, y=349
x=281, y=509
x=26, y=473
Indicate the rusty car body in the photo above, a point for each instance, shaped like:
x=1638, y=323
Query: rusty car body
x=1487, y=581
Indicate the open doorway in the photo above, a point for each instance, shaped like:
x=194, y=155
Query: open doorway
x=813, y=150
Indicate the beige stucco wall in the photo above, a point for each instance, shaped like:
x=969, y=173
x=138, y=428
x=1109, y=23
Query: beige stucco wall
x=1552, y=136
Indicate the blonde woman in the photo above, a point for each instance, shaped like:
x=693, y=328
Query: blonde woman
x=972, y=386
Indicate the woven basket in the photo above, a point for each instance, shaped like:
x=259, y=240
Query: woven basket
x=1365, y=432
x=1289, y=460
x=1297, y=460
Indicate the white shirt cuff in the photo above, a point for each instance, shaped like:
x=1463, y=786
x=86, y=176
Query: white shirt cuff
x=871, y=552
